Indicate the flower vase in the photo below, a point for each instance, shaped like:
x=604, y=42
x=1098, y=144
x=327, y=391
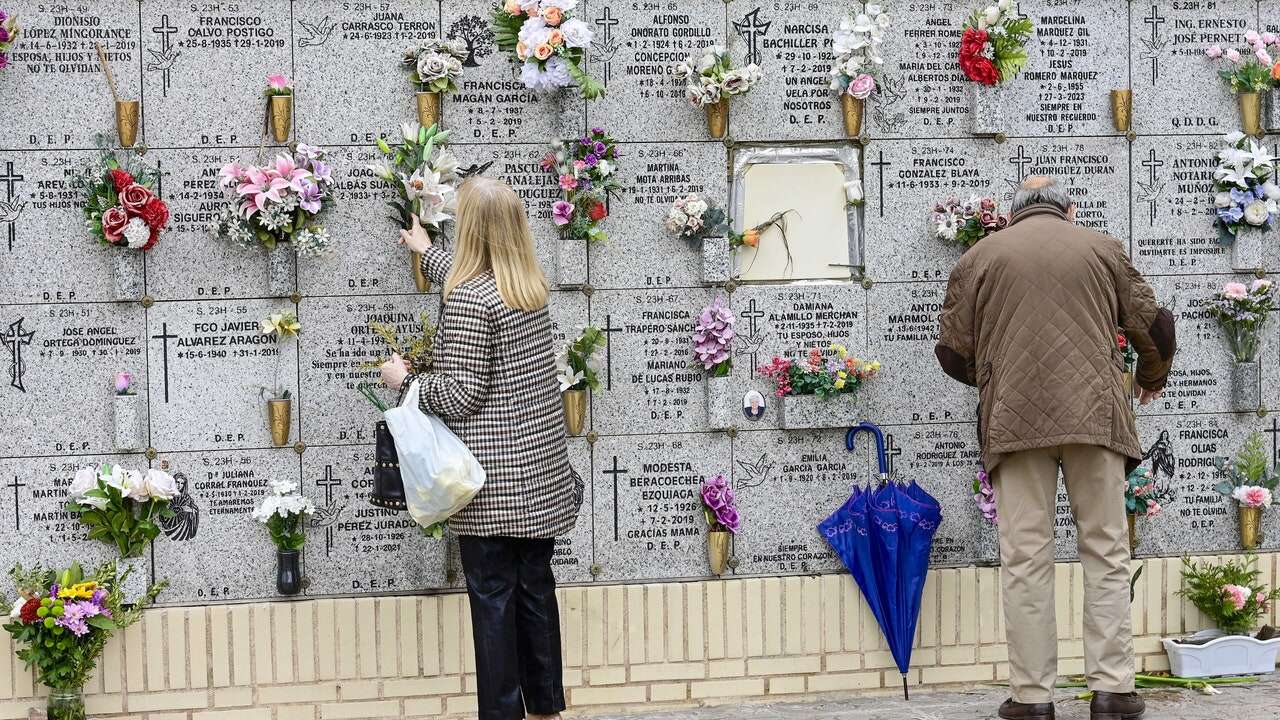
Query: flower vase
x=281, y=262
x=718, y=551
x=1133, y=532
x=126, y=272
x=986, y=108
x=288, y=572
x=281, y=117
x=420, y=279
x=1250, y=527
x=718, y=118
x=1250, y=113
x=851, y=109
x=134, y=584
x=65, y=704
x=575, y=411
x=428, y=109
x=1122, y=109
x=1246, y=386
x=130, y=422
x=1246, y=251
x=571, y=262
x=805, y=412
x=716, y=263
x=279, y=420
x=720, y=404
x=127, y=116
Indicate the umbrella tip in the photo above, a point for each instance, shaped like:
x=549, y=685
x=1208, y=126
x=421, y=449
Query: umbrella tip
x=905, y=694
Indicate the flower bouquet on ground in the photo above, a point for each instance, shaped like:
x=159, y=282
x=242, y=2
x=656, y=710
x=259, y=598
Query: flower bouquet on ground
x=1235, y=598
x=1249, y=74
x=282, y=511
x=62, y=620
x=434, y=68
x=855, y=71
x=578, y=369
x=9, y=32
x=1242, y=311
x=965, y=223
x=1250, y=480
x=284, y=326
x=586, y=169
x=425, y=177
x=984, y=496
x=1143, y=498
x=121, y=211
x=720, y=509
x=278, y=206
x=130, y=414
x=807, y=387
x=710, y=79
x=993, y=49
x=1245, y=199
x=547, y=42
x=279, y=95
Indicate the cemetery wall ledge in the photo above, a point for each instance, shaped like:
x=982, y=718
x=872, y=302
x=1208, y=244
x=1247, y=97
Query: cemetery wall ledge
x=656, y=644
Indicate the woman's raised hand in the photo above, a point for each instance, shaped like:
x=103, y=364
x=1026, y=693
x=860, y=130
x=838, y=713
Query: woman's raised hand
x=416, y=238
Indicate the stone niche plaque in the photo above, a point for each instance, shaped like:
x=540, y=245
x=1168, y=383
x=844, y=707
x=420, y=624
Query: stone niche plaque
x=241, y=43
x=923, y=92
x=1091, y=170
x=354, y=547
x=57, y=365
x=212, y=549
x=492, y=105
x=785, y=321
x=1172, y=201
x=55, y=60
x=648, y=378
x=210, y=360
x=791, y=42
x=1200, y=381
x=903, y=181
x=809, y=472
x=34, y=522
x=902, y=332
x=634, y=53
x=944, y=458
x=337, y=46
x=647, y=512
x=653, y=175
x=1176, y=88
x=335, y=340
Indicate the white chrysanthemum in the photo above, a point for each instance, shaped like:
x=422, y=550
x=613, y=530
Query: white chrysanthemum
x=137, y=233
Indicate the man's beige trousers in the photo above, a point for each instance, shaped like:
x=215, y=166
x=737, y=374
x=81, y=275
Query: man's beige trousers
x=1026, y=488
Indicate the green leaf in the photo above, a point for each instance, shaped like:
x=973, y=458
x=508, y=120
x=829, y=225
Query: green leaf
x=102, y=623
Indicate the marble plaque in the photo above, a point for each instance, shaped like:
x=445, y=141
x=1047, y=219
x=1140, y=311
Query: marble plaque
x=212, y=549
x=922, y=92
x=647, y=511
x=1093, y=171
x=634, y=53
x=57, y=368
x=944, y=459
x=188, y=46
x=353, y=547
x=210, y=364
x=1172, y=205
x=653, y=175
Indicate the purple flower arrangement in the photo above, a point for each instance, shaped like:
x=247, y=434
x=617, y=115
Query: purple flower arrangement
x=8, y=36
x=984, y=496
x=713, y=338
x=719, y=506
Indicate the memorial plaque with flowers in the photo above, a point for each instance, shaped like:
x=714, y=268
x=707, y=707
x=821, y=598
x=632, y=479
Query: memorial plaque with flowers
x=547, y=43
x=1246, y=199
x=992, y=51
x=855, y=74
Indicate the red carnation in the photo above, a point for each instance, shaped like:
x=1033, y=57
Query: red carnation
x=151, y=241
x=29, y=609
x=134, y=197
x=114, y=221
x=976, y=67
x=155, y=213
x=599, y=212
x=1122, y=341
x=121, y=179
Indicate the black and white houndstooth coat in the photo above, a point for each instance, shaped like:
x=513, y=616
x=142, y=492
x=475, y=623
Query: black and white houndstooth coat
x=494, y=384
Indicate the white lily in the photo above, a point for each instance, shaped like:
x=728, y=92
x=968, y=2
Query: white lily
x=568, y=380
x=409, y=131
x=1259, y=155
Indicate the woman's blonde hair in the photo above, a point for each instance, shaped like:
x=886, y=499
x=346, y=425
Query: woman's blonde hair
x=493, y=234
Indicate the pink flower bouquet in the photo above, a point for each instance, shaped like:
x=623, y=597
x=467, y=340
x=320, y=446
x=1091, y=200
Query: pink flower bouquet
x=713, y=339
x=279, y=202
x=719, y=505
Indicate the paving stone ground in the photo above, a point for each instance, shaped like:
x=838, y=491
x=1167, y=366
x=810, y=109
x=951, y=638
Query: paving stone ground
x=1253, y=702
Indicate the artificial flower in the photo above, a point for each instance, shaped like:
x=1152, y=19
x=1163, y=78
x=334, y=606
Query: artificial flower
x=279, y=84
x=1252, y=496
x=282, y=325
x=114, y=221
x=1237, y=595
x=862, y=86
x=561, y=212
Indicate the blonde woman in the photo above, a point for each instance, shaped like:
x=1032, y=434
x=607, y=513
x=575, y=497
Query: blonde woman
x=493, y=383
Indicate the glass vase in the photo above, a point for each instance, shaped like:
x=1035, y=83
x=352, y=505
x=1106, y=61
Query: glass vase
x=65, y=704
x=1244, y=338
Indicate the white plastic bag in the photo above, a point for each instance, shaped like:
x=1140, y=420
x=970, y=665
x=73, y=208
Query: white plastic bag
x=440, y=474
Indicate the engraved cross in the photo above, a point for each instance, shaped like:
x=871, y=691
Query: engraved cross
x=615, y=471
x=880, y=165
x=14, y=340
x=751, y=29
x=608, y=331
x=17, y=502
x=1022, y=160
x=165, y=336
x=10, y=179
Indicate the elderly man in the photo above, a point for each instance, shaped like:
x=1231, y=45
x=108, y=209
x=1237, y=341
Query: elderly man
x=1030, y=319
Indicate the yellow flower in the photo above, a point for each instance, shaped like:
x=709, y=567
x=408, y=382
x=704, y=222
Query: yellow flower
x=842, y=374
x=840, y=350
x=839, y=383
x=79, y=591
x=284, y=325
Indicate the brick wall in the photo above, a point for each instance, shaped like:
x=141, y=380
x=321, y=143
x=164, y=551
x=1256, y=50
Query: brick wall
x=669, y=643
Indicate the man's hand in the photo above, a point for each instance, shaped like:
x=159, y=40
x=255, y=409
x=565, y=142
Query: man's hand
x=394, y=371
x=416, y=238
x=1146, y=396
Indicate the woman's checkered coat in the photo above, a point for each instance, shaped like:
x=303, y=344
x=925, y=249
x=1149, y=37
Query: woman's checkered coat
x=494, y=384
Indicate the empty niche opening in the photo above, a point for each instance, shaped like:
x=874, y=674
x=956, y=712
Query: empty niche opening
x=810, y=187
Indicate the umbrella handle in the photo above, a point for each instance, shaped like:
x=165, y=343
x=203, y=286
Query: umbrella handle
x=881, y=458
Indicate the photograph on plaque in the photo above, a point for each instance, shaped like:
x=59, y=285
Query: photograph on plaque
x=817, y=232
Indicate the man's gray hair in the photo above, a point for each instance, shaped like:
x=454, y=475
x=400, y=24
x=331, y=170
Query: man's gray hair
x=1041, y=190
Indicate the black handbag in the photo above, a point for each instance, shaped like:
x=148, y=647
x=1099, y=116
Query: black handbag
x=388, y=487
